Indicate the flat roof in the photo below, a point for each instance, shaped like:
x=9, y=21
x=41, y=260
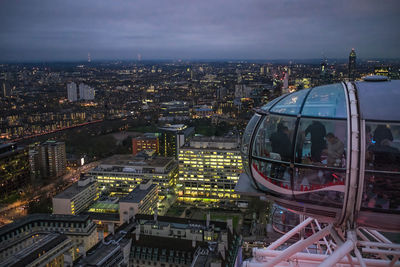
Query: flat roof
x=30, y=253
x=126, y=160
x=137, y=194
x=102, y=252
x=42, y=217
x=73, y=190
x=165, y=243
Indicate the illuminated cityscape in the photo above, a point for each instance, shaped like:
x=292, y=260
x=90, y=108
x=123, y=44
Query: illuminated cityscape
x=201, y=134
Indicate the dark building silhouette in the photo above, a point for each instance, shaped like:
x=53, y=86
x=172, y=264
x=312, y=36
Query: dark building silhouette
x=352, y=64
x=14, y=168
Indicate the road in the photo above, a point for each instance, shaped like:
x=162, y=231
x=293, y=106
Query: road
x=19, y=209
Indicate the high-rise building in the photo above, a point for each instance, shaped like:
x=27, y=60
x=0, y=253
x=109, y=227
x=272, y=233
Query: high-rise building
x=352, y=64
x=324, y=73
x=209, y=168
x=85, y=92
x=72, y=92
x=172, y=138
x=5, y=88
x=52, y=159
x=14, y=168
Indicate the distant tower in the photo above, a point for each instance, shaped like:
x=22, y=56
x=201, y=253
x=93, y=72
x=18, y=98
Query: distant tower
x=5, y=89
x=285, y=88
x=352, y=65
x=139, y=57
x=324, y=73
x=89, y=59
x=71, y=92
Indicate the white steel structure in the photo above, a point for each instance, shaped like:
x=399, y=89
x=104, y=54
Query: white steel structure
x=331, y=153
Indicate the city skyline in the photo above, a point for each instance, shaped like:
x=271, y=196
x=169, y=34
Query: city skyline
x=58, y=31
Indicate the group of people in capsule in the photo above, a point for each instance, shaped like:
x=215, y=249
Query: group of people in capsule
x=382, y=179
x=315, y=146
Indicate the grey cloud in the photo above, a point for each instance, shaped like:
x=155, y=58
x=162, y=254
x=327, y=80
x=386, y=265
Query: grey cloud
x=58, y=30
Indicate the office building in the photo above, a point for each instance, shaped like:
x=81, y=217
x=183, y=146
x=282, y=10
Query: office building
x=85, y=92
x=209, y=168
x=72, y=92
x=14, y=168
x=36, y=230
x=173, y=137
x=174, y=111
x=76, y=198
x=120, y=174
x=147, y=141
x=142, y=199
x=352, y=64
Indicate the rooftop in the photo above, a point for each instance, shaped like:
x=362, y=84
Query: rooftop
x=32, y=252
x=42, y=217
x=137, y=194
x=214, y=142
x=73, y=190
x=131, y=163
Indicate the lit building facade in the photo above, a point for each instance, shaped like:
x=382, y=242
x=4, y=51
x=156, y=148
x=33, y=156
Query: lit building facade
x=173, y=137
x=77, y=197
x=14, y=168
x=174, y=111
x=120, y=174
x=148, y=141
x=209, y=169
x=142, y=199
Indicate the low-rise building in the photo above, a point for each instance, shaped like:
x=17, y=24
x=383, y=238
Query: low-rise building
x=142, y=199
x=22, y=233
x=46, y=250
x=147, y=141
x=76, y=198
x=120, y=174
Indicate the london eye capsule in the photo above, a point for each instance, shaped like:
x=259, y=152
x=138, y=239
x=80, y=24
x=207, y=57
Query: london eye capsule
x=331, y=152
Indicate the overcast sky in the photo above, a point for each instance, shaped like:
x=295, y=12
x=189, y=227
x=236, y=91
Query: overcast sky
x=198, y=29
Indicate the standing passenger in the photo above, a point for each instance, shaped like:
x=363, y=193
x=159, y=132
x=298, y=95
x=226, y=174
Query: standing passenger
x=318, y=132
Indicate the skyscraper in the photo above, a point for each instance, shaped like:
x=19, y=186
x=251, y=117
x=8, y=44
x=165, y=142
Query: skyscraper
x=71, y=91
x=352, y=64
x=5, y=89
